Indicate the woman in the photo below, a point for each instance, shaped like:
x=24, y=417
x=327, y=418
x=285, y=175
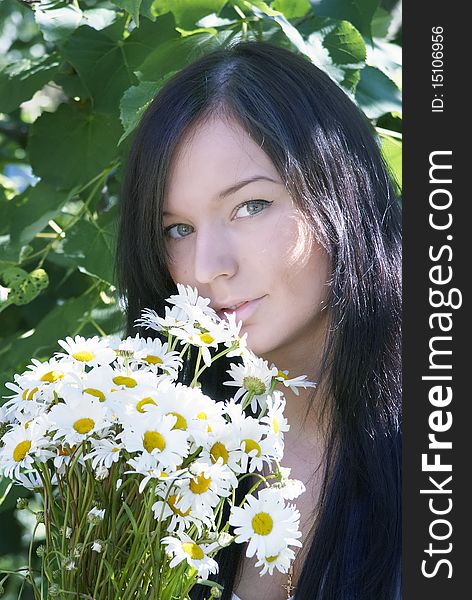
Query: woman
x=254, y=178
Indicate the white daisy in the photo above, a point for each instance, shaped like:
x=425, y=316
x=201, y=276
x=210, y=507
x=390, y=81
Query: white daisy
x=211, y=413
x=169, y=510
x=185, y=404
x=280, y=561
x=32, y=481
x=237, y=343
x=266, y=523
x=155, y=434
x=104, y=453
x=130, y=402
x=77, y=418
x=148, y=465
x=205, y=486
x=42, y=379
x=173, y=317
x=253, y=376
x=98, y=382
x=184, y=548
x=87, y=351
x=50, y=371
x=154, y=354
x=191, y=303
x=257, y=448
x=223, y=444
x=26, y=400
x=295, y=382
x=204, y=334
x=289, y=488
x=128, y=378
x=21, y=447
x=275, y=420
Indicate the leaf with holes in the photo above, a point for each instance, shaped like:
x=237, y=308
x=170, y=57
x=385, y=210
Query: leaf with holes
x=24, y=287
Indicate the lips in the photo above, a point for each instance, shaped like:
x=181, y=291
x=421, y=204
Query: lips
x=243, y=309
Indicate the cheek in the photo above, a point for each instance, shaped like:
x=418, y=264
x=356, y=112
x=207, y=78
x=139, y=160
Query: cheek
x=179, y=267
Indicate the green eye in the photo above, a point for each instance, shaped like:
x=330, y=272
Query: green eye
x=252, y=207
x=178, y=231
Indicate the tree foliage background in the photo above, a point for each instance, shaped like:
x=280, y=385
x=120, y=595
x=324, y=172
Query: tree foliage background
x=75, y=76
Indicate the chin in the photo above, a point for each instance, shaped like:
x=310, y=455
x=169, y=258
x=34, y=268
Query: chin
x=257, y=342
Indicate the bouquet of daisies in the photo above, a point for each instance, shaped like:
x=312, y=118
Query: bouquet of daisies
x=134, y=469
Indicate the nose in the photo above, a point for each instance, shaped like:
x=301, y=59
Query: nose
x=214, y=255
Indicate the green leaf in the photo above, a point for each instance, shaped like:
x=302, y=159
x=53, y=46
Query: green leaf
x=175, y=54
x=292, y=9
x=57, y=21
x=337, y=48
x=131, y=6
x=62, y=320
x=105, y=62
x=134, y=102
x=392, y=152
x=101, y=64
x=91, y=245
x=24, y=287
x=98, y=18
x=13, y=276
x=376, y=94
x=20, y=80
x=345, y=44
x=359, y=12
x=188, y=12
x=38, y=206
x=65, y=161
x=381, y=22
x=5, y=487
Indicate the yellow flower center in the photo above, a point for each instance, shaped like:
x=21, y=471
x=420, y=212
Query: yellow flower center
x=143, y=402
x=251, y=445
x=181, y=423
x=153, y=360
x=29, y=393
x=200, y=484
x=281, y=375
x=262, y=523
x=206, y=338
x=152, y=440
x=275, y=425
x=172, y=502
x=271, y=559
x=217, y=451
x=84, y=425
x=97, y=393
x=115, y=450
x=128, y=382
x=21, y=450
x=52, y=376
x=84, y=355
x=193, y=550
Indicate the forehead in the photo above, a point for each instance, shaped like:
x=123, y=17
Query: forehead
x=213, y=156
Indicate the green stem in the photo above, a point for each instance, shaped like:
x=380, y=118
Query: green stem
x=197, y=365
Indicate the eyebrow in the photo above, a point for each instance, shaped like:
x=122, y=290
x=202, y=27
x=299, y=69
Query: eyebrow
x=240, y=184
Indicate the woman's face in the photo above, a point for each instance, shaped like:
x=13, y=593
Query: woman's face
x=234, y=233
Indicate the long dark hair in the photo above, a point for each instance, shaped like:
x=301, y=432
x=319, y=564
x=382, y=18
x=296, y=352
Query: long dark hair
x=324, y=149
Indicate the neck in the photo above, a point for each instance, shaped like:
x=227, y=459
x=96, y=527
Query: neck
x=302, y=357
